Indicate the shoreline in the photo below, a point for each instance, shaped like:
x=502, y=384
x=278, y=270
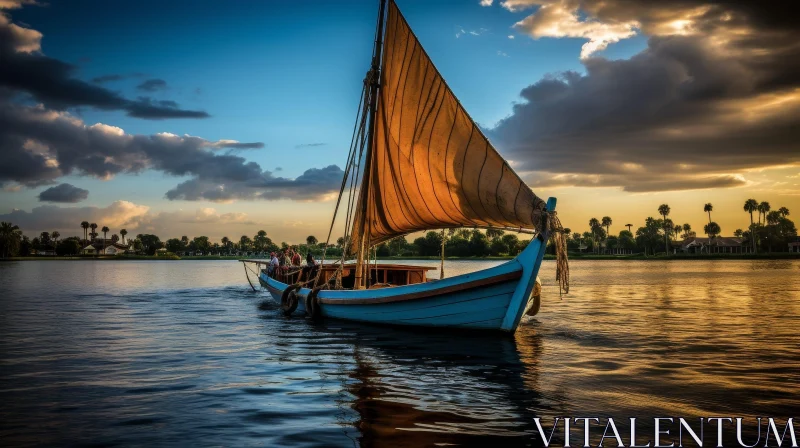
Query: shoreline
x=572, y=257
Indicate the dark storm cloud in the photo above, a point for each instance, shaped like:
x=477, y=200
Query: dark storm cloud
x=691, y=110
x=107, y=78
x=313, y=184
x=51, y=81
x=115, y=77
x=64, y=193
x=643, y=183
x=152, y=85
x=44, y=145
x=117, y=215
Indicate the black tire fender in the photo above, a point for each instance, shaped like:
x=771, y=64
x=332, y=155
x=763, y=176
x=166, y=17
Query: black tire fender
x=312, y=304
x=289, y=300
x=307, y=303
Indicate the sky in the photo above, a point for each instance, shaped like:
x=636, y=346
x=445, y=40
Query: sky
x=200, y=118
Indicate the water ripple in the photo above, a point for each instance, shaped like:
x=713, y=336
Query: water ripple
x=184, y=353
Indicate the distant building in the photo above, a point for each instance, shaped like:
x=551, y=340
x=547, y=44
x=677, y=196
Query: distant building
x=720, y=244
x=107, y=247
x=49, y=251
x=794, y=246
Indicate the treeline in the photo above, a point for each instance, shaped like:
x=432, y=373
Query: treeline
x=771, y=230
x=457, y=242
x=14, y=243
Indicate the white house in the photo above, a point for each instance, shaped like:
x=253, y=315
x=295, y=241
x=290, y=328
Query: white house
x=110, y=248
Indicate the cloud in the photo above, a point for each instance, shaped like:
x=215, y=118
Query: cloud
x=41, y=145
x=560, y=19
x=16, y=4
x=152, y=85
x=52, y=217
x=231, y=144
x=643, y=183
x=461, y=31
x=107, y=78
x=487, y=2
x=205, y=215
x=715, y=96
x=123, y=214
x=115, y=77
x=50, y=81
x=17, y=38
x=64, y=193
x=44, y=142
x=313, y=184
x=606, y=22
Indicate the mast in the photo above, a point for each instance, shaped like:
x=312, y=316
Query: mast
x=374, y=78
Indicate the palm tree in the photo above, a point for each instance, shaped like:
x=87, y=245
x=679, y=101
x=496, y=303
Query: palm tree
x=664, y=210
x=123, y=232
x=105, y=231
x=686, y=229
x=10, y=236
x=493, y=233
x=606, y=221
x=593, y=225
x=783, y=211
x=225, y=240
x=763, y=208
x=738, y=233
x=677, y=230
x=708, y=208
x=55, y=234
x=773, y=217
x=750, y=206
x=711, y=229
x=94, y=230
x=629, y=226
x=85, y=226
x=45, y=237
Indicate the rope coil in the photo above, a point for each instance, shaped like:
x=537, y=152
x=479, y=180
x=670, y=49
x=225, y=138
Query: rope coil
x=559, y=241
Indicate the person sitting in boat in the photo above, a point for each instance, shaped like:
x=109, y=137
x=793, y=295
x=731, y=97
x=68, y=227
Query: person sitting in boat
x=273, y=263
x=284, y=257
x=310, y=269
x=296, y=258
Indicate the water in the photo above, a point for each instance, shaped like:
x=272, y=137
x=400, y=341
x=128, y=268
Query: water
x=141, y=353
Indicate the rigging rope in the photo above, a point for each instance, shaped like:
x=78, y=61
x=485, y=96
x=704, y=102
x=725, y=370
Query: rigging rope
x=351, y=174
x=555, y=231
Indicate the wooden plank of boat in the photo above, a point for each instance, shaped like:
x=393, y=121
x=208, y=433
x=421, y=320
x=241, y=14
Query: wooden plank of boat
x=424, y=294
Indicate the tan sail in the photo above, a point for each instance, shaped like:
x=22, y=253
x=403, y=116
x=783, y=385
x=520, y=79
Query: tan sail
x=432, y=167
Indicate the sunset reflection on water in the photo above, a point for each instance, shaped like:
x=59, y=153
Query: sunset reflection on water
x=164, y=353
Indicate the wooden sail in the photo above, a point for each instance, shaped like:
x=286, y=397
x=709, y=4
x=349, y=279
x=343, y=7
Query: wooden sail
x=431, y=166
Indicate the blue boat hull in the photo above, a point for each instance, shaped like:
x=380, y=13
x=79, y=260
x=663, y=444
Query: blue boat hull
x=491, y=299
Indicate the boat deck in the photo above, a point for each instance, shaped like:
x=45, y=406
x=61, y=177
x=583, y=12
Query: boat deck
x=380, y=274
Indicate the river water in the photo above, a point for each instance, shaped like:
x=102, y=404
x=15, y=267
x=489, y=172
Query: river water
x=183, y=353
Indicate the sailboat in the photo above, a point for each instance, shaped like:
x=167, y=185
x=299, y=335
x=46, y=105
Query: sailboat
x=419, y=162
